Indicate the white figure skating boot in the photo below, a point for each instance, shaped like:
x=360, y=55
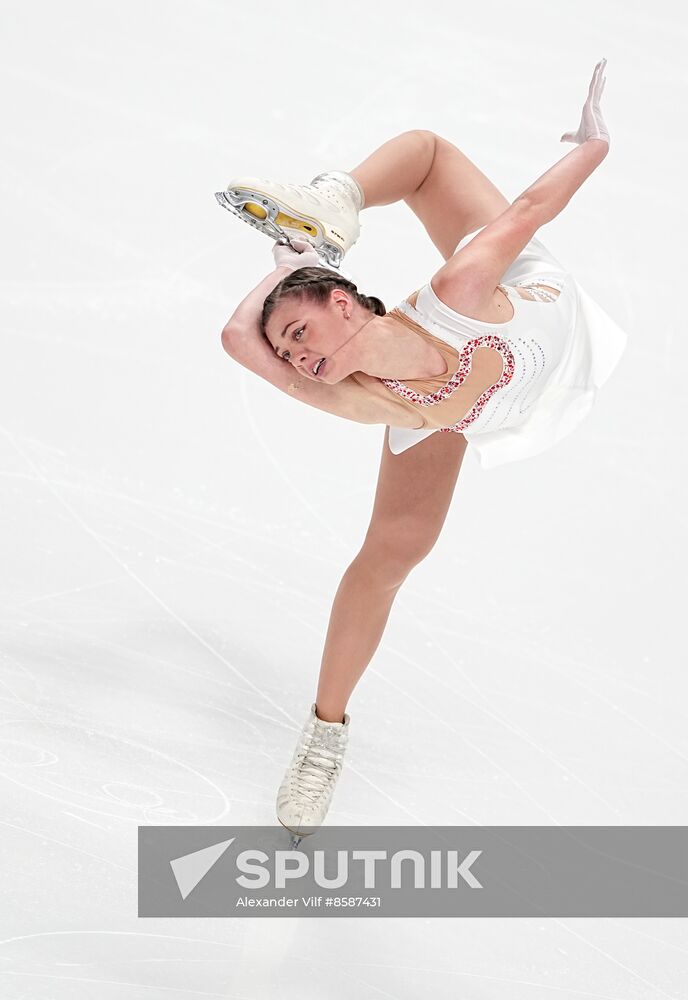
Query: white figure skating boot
x=324, y=212
x=309, y=782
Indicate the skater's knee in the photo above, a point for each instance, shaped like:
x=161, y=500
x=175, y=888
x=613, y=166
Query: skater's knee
x=428, y=138
x=390, y=555
x=426, y=135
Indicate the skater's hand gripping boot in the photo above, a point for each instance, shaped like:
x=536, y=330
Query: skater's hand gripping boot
x=298, y=253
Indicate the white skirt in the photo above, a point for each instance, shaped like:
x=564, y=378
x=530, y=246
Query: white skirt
x=593, y=347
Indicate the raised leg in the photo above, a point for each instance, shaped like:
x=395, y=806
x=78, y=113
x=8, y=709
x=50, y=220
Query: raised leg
x=396, y=168
x=438, y=182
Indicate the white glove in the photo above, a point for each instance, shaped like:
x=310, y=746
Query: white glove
x=592, y=124
x=297, y=253
x=303, y=256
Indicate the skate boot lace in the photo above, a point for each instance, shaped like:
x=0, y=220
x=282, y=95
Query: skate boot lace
x=318, y=763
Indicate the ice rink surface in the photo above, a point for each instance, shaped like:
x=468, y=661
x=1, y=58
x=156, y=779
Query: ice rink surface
x=174, y=529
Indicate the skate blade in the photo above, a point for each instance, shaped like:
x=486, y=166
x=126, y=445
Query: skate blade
x=271, y=218
x=265, y=209
x=296, y=838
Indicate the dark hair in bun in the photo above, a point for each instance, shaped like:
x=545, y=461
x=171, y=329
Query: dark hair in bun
x=315, y=285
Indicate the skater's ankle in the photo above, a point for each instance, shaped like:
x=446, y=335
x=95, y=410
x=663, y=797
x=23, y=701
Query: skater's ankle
x=326, y=716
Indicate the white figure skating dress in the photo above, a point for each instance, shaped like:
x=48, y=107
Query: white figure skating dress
x=557, y=352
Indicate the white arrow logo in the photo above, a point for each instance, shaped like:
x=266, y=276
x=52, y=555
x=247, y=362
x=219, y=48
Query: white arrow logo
x=189, y=869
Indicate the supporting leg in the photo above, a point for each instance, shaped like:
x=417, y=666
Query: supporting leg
x=413, y=495
x=359, y=615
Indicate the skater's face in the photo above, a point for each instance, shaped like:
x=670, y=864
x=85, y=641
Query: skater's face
x=303, y=332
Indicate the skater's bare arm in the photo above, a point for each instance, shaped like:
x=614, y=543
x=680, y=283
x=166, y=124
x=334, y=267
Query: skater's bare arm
x=243, y=341
x=552, y=192
x=479, y=266
x=469, y=278
x=249, y=310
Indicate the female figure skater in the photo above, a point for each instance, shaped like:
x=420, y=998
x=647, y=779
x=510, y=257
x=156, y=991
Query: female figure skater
x=502, y=349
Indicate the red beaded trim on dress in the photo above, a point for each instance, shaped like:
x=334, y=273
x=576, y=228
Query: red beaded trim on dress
x=464, y=369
